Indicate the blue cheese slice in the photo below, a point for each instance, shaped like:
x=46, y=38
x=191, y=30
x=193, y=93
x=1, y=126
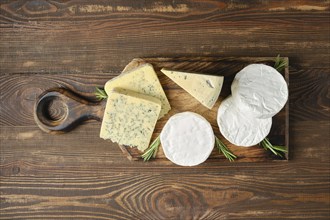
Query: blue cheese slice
x=130, y=118
x=142, y=79
x=205, y=88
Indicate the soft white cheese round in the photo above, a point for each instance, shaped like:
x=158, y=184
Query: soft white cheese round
x=238, y=127
x=260, y=89
x=187, y=139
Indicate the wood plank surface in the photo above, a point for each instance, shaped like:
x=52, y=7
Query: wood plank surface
x=77, y=176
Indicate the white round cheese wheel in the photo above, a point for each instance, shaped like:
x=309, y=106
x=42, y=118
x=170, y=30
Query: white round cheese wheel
x=260, y=89
x=187, y=139
x=238, y=127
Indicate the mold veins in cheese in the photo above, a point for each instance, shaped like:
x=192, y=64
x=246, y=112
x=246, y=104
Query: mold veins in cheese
x=187, y=139
x=205, y=88
x=240, y=128
x=130, y=118
x=260, y=90
x=144, y=80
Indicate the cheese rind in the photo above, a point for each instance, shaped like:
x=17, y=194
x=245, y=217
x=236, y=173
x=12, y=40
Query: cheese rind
x=205, y=88
x=260, y=90
x=187, y=139
x=144, y=80
x=238, y=127
x=130, y=118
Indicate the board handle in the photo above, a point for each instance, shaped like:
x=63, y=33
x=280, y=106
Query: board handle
x=59, y=110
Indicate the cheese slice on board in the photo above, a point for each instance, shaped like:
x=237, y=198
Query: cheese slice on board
x=142, y=79
x=130, y=118
x=239, y=127
x=260, y=90
x=205, y=88
x=187, y=139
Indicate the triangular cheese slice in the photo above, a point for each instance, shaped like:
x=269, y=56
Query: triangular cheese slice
x=142, y=79
x=205, y=88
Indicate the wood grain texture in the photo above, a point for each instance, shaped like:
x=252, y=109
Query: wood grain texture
x=83, y=36
x=79, y=177
x=166, y=196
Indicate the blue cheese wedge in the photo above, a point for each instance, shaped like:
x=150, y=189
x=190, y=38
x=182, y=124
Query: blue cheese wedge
x=187, y=139
x=142, y=79
x=130, y=118
x=205, y=88
x=240, y=128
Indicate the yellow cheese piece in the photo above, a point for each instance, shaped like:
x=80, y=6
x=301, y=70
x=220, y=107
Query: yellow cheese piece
x=130, y=118
x=144, y=80
x=205, y=88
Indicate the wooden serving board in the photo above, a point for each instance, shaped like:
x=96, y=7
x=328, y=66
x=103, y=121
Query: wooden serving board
x=182, y=101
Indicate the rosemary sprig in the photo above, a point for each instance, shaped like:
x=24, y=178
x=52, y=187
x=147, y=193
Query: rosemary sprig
x=100, y=94
x=277, y=150
x=152, y=150
x=280, y=63
x=224, y=150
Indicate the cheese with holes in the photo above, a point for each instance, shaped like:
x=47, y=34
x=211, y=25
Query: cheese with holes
x=130, y=118
x=187, y=139
x=260, y=90
x=239, y=127
x=205, y=88
x=142, y=79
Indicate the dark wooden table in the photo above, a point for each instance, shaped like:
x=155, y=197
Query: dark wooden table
x=77, y=175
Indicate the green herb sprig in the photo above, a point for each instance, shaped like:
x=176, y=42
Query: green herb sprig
x=277, y=150
x=152, y=150
x=100, y=94
x=224, y=150
x=280, y=63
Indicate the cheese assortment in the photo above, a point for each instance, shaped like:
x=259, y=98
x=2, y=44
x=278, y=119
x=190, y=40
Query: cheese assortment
x=142, y=79
x=130, y=118
x=205, y=88
x=258, y=93
x=136, y=100
x=187, y=139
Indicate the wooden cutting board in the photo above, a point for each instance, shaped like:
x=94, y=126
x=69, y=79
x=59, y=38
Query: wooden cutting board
x=182, y=101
